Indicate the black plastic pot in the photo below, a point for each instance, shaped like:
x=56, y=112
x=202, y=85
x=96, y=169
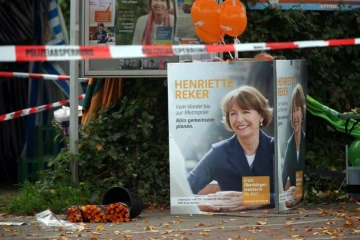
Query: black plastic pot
x=119, y=194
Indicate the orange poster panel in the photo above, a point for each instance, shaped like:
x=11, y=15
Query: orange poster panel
x=103, y=16
x=256, y=190
x=299, y=184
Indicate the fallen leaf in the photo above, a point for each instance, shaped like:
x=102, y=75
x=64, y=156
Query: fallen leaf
x=7, y=230
x=287, y=224
x=207, y=230
x=96, y=233
x=261, y=223
x=308, y=229
x=154, y=230
x=233, y=219
x=220, y=227
x=204, y=234
x=147, y=228
x=117, y=232
x=322, y=211
x=146, y=221
x=100, y=228
x=349, y=223
x=356, y=210
x=331, y=223
x=166, y=225
x=266, y=211
x=294, y=235
x=64, y=238
x=200, y=225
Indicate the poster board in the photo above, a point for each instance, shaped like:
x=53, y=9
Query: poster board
x=132, y=22
x=195, y=91
x=312, y=5
x=207, y=165
x=291, y=88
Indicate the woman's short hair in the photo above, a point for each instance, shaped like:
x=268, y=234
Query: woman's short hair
x=168, y=5
x=246, y=97
x=298, y=99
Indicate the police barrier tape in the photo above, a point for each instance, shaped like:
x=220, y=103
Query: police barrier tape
x=38, y=75
x=65, y=53
x=28, y=111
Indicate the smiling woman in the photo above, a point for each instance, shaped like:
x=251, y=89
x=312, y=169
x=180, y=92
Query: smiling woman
x=147, y=26
x=294, y=160
x=249, y=152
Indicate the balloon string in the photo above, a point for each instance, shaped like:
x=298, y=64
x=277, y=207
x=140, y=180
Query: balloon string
x=234, y=2
x=222, y=39
x=236, y=41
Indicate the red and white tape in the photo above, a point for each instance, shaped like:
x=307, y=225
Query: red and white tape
x=28, y=111
x=65, y=53
x=38, y=76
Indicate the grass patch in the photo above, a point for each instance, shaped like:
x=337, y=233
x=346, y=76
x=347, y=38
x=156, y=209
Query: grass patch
x=35, y=197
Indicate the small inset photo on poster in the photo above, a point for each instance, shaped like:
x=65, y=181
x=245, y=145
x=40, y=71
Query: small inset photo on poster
x=147, y=22
x=153, y=64
x=163, y=64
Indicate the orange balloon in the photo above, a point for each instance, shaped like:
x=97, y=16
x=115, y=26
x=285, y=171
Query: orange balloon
x=208, y=37
x=233, y=21
x=229, y=3
x=205, y=15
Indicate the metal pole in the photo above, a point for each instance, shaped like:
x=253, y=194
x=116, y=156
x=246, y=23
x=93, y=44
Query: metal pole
x=74, y=83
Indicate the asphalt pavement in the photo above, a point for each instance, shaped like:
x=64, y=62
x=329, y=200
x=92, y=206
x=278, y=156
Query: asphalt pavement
x=340, y=221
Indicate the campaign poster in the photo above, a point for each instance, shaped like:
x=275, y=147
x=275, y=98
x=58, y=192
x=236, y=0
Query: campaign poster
x=149, y=22
x=290, y=107
x=184, y=24
x=129, y=22
x=210, y=170
x=101, y=22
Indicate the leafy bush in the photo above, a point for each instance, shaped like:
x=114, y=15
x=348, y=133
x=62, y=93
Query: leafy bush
x=127, y=146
